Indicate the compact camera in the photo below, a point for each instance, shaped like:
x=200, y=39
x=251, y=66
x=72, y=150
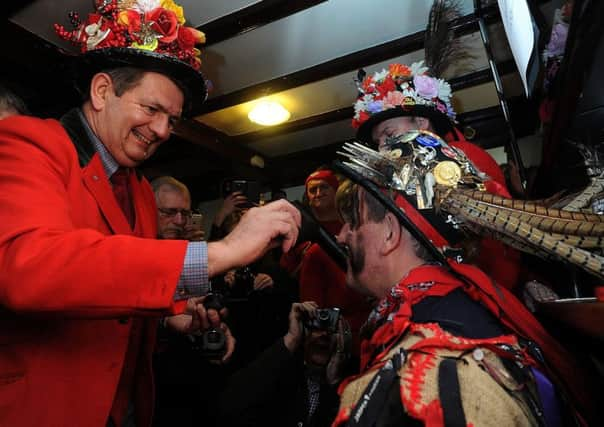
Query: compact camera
x=325, y=320
x=212, y=342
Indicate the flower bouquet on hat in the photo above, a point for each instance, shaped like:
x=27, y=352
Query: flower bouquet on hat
x=147, y=34
x=402, y=91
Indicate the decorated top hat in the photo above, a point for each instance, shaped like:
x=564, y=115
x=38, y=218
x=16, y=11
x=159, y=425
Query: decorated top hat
x=437, y=191
x=146, y=34
x=402, y=91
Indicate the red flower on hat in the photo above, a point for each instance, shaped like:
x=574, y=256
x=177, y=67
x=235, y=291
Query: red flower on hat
x=386, y=86
x=188, y=37
x=367, y=84
x=164, y=22
x=363, y=117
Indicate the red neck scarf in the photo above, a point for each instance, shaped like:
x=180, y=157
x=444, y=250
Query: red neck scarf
x=392, y=318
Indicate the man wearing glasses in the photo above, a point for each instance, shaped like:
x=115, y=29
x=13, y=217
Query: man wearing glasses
x=174, y=210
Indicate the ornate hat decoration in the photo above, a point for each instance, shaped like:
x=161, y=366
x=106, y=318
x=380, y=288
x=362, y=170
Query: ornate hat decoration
x=435, y=189
x=402, y=91
x=418, y=89
x=148, y=34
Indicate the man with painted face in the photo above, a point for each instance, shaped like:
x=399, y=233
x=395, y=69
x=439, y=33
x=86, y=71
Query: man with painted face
x=432, y=348
x=84, y=280
x=403, y=98
x=445, y=344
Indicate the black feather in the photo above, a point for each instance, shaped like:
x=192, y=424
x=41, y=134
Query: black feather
x=441, y=48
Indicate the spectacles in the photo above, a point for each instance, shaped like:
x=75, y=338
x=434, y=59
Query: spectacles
x=172, y=212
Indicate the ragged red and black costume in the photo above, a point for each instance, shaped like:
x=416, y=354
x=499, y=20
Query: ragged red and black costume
x=464, y=310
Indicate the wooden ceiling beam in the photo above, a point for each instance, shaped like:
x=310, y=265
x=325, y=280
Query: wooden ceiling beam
x=252, y=17
x=344, y=64
x=220, y=144
x=457, y=83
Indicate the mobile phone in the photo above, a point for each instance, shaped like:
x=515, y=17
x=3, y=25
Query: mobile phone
x=250, y=189
x=197, y=221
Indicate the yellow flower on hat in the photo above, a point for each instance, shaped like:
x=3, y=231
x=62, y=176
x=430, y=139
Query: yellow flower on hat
x=170, y=5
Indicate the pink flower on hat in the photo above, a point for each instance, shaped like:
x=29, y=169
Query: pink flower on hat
x=426, y=86
x=393, y=99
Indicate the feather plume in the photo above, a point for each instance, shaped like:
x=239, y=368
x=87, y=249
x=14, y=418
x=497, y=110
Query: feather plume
x=441, y=47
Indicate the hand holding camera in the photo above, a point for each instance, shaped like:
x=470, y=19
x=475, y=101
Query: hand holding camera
x=213, y=339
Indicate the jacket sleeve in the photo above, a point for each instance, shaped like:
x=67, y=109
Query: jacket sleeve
x=49, y=263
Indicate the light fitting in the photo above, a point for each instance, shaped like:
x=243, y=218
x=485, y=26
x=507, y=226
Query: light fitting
x=268, y=113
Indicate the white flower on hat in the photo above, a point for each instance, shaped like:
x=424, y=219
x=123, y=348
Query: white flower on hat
x=144, y=6
x=95, y=34
x=444, y=90
x=418, y=68
x=380, y=75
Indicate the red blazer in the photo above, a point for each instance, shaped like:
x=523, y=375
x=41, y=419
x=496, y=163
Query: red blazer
x=71, y=273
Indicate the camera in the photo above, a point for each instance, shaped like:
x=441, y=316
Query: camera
x=326, y=320
x=212, y=342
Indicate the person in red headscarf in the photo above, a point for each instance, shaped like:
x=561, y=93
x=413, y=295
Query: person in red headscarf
x=402, y=98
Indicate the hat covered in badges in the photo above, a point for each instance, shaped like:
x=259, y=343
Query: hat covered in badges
x=402, y=90
x=439, y=194
x=146, y=34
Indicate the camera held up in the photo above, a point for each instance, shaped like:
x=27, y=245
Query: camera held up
x=326, y=319
x=212, y=342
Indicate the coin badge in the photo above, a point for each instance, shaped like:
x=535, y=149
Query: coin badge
x=408, y=103
x=447, y=173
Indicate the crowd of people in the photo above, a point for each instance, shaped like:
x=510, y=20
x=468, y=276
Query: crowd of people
x=119, y=310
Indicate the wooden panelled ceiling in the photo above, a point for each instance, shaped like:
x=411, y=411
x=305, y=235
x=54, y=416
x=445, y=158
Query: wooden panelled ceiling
x=304, y=53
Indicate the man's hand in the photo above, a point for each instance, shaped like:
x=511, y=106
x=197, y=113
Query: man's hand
x=295, y=334
x=231, y=202
x=196, y=319
x=262, y=281
x=259, y=230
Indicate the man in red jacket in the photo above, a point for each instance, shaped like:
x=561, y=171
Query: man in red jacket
x=84, y=279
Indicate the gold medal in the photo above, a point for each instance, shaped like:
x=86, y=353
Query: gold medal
x=447, y=173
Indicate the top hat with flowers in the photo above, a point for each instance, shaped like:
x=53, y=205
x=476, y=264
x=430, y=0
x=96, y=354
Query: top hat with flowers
x=146, y=34
x=402, y=90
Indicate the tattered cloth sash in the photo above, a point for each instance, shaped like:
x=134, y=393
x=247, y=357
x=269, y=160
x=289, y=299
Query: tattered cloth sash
x=392, y=319
x=483, y=392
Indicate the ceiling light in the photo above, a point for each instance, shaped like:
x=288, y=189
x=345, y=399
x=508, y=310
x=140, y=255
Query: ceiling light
x=268, y=113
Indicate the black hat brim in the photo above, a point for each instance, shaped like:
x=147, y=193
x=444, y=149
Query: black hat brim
x=186, y=77
x=441, y=123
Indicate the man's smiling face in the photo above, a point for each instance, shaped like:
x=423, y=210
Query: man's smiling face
x=141, y=119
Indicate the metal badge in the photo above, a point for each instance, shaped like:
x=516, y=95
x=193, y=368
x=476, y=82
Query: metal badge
x=427, y=140
x=450, y=153
x=447, y=173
